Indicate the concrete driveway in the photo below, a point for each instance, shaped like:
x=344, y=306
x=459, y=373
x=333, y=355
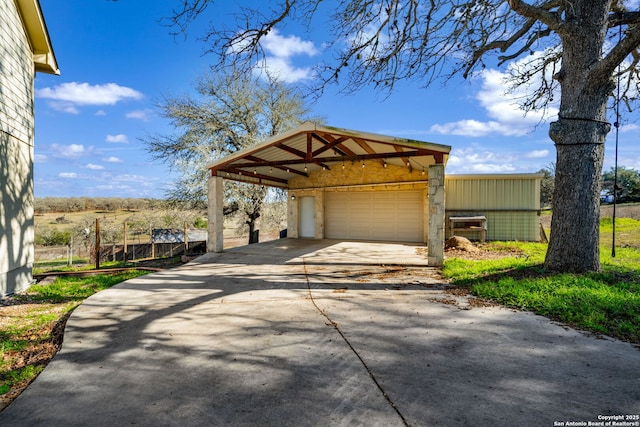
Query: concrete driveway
x=318, y=333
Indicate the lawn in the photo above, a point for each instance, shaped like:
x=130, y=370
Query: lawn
x=32, y=324
x=607, y=302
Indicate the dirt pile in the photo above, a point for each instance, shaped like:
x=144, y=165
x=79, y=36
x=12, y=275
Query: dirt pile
x=460, y=243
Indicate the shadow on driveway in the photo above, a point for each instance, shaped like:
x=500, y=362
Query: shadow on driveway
x=322, y=333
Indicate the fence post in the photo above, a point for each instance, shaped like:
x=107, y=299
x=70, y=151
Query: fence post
x=70, y=252
x=186, y=239
x=97, y=243
x=124, y=255
x=153, y=243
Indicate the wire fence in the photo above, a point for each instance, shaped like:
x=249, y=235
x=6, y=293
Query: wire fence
x=96, y=246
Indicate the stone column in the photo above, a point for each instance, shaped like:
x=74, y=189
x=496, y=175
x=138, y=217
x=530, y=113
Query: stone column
x=435, y=241
x=215, y=197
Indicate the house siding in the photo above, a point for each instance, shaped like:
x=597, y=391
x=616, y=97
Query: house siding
x=17, y=74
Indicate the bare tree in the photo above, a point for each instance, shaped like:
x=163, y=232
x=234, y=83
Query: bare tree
x=232, y=111
x=573, y=47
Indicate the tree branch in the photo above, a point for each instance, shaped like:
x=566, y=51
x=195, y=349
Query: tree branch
x=624, y=18
x=624, y=48
x=541, y=12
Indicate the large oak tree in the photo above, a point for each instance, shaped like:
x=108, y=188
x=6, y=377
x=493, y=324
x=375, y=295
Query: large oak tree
x=231, y=111
x=573, y=48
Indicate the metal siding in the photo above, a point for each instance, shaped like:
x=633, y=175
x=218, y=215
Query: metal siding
x=505, y=193
x=488, y=196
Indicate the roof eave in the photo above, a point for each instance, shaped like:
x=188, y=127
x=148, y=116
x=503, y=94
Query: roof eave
x=36, y=28
x=312, y=127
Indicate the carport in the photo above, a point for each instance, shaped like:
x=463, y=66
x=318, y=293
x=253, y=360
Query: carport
x=343, y=184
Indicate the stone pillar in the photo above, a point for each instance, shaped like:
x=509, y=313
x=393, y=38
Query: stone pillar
x=435, y=241
x=215, y=193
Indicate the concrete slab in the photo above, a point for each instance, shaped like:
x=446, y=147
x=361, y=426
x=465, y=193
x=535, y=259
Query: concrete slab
x=327, y=251
x=284, y=334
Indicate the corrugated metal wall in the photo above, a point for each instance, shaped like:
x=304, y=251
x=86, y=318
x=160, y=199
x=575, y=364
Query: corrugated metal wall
x=511, y=204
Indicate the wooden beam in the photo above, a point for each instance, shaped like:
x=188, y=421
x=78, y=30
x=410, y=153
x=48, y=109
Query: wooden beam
x=309, y=155
x=366, y=147
x=258, y=176
x=344, y=150
x=405, y=155
x=291, y=150
x=405, y=160
x=246, y=179
x=328, y=145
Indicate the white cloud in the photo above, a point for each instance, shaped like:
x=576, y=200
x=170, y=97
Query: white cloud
x=492, y=168
x=113, y=160
x=39, y=158
x=76, y=93
x=143, y=115
x=94, y=167
x=285, y=71
x=501, y=106
x=72, y=151
x=476, y=159
x=629, y=128
x=132, y=178
x=101, y=113
x=476, y=128
x=120, y=138
x=280, y=51
x=68, y=175
x=64, y=107
x=285, y=47
x=537, y=154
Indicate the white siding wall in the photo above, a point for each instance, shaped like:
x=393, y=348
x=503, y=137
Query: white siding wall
x=16, y=151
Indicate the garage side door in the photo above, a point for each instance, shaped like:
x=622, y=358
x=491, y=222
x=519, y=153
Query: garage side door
x=374, y=215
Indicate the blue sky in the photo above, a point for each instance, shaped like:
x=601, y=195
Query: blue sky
x=117, y=62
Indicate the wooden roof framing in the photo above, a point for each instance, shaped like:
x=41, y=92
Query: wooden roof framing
x=312, y=147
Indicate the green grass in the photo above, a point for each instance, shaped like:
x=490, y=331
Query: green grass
x=607, y=302
x=35, y=320
x=60, y=265
x=77, y=288
x=627, y=233
x=79, y=265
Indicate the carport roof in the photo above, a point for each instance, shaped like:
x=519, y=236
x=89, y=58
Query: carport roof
x=311, y=147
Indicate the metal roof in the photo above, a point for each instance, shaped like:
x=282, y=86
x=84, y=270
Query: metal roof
x=311, y=147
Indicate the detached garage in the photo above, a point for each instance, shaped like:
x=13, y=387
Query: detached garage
x=344, y=184
x=352, y=185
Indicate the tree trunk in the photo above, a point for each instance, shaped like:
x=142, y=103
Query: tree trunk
x=574, y=243
x=579, y=135
x=252, y=227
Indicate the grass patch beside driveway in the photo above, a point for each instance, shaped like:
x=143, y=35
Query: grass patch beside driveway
x=32, y=324
x=607, y=302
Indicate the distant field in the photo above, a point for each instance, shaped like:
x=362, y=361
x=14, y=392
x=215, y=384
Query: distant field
x=631, y=210
x=53, y=229
x=627, y=225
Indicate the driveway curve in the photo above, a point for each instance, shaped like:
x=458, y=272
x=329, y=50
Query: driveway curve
x=320, y=333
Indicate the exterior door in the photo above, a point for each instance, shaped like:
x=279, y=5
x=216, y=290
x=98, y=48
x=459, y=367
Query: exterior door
x=307, y=217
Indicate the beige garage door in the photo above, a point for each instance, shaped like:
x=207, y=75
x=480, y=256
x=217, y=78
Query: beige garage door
x=395, y=216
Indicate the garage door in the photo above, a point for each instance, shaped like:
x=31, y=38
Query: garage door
x=374, y=215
